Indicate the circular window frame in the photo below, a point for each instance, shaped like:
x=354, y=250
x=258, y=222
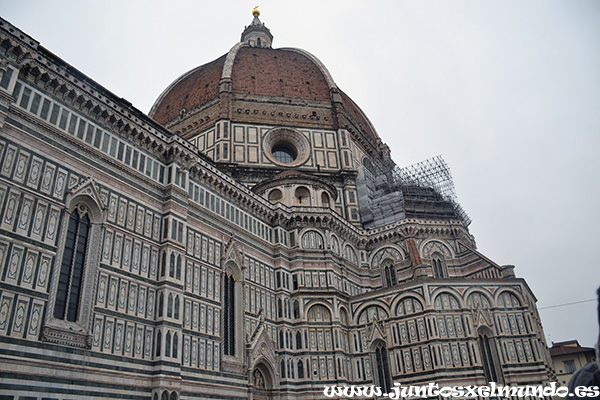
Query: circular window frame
x=286, y=137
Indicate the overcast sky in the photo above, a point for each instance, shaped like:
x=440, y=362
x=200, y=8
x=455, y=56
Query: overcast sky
x=507, y=91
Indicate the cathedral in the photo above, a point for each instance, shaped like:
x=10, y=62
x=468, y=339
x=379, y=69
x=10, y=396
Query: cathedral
x=249, y=238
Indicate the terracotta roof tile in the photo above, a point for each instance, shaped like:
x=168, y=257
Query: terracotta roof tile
x=198, y=87
x=272, y=72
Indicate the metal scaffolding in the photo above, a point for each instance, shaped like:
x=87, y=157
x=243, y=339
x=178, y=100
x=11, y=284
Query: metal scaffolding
x=434, y=174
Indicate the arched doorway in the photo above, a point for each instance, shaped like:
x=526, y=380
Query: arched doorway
x=261, y=382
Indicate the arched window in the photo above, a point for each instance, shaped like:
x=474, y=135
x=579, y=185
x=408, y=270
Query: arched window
x=173, y=396
x=388, y=273
x=296, y=309
x=168, y=344
x=172, y=266
x=372, y=312
x=279, y=308
x=312, y=240
x=170, y=306
x=382, y=368
x=275, y=195
x=335, y=246
x=229, y=316
x=298, y=340
x=324, y=199
x=281, y=340
x=161, y=303
x=176, y=310
x=164, y=395
x=302, y=196
x=163, y=264
x=258, y=42
x=158, y=343
x=489, y=357
x=439, y=267
x=178, y=272
x=344, y=317
x=68, y=294
x=300, y=369
x=350, y=255
x=282, y=372
x=319, y=313
x=175, y=344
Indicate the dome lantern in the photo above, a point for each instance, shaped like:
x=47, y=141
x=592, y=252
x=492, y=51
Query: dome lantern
x=257, y=34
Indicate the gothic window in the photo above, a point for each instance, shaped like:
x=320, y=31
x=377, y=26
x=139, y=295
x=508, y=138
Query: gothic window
x=279, y=308
x=258, y=43
x=168, y=344
x=281, y=340
x=71, y=290
x=176, y=310
x=170, y=306
x=229, y=316
x=178, y=271
x=489, y=357
x=296, y=309
x=158, y=343
x=68, y=293
x=163, y=264
x=161, y=300
x=300, y=369
x=173, y=396
x=164, y=396
x=175, y=344
x=282, y=372
x=298, y=340
x=382, y=368
x=388, y=273
x=446, y=301
x=172, y=266
x=439, y=266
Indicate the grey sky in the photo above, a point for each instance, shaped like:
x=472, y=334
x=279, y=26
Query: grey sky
x=507, y=91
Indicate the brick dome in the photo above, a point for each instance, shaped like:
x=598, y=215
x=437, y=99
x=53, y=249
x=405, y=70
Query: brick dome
x=256, y=71
x=254, y=83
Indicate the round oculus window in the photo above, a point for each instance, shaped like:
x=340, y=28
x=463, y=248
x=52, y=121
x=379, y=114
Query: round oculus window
x=284, y=153
x=286, y=147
